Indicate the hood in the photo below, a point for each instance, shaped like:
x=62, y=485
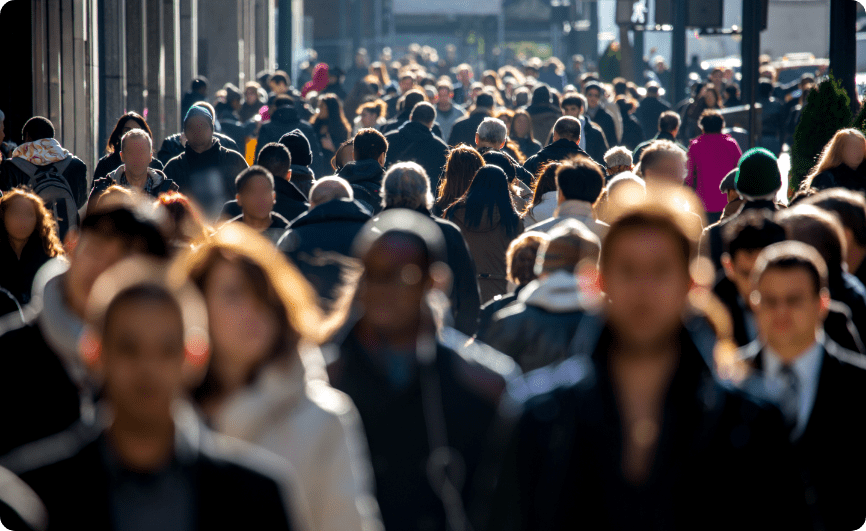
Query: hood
x=541, y=96
x=415, y=131
x=557, y=293
x=302, y=173
x=41, y=152
x=362, y=170
x=333, y=211
x=156, y=176
x=286, y=114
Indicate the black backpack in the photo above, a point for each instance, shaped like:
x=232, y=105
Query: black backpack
x=49, y=183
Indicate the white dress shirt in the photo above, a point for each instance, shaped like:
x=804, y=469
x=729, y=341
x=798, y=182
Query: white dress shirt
x=807, y=367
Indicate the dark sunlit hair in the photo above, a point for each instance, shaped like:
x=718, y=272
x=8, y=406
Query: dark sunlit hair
x=462, y=164
x=188, y=223
x=274, y=281
x=545, y=181
x=113, y=144
x=345, y=154
x=489, y=194
x=45, y=229
x=336, y=118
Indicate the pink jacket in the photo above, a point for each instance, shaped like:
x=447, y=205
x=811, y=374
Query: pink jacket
x=711, y=157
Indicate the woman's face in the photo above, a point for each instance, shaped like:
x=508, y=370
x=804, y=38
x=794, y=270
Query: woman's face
x=323, y=109
x=368, y=119
x=251, y=96
x=20, y=218
x=710, y=98
x=129, y=126
x=243, y=329
x=853, y=151
x=520, y=126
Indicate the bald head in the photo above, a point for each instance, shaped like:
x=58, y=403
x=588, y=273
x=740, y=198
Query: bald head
x=328, y=189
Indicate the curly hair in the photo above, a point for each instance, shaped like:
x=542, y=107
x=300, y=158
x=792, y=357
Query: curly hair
x=46, y=227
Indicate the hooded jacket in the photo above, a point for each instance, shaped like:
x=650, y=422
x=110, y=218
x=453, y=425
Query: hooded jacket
x=537, y=330
x=161, y=183
x=207, y=177
x=365, y=176
x=293, y=412
x=172, y=146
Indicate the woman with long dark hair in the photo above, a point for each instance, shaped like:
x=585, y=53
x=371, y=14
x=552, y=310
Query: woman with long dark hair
x=28, y=239
x=489, y=222
x=330, y=124
x=266, y=382
x=462, y=164
x=111, y=161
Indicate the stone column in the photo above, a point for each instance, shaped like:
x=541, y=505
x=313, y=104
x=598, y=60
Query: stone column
x=171, y=40
x=136, y=64
x=155, y=60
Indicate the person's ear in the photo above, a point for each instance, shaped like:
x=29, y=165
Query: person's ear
x=90, y=350
x=728, y=266
x=289, y=175
x=275, y=197
x=382, y=159
x=70, y=242
x=121, y=156
x=824, y=296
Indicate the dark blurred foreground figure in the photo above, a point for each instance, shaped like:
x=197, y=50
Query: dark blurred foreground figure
x=151, y=463
x=818, y=386
x=41, y=371
x=634, y=431
x=406, y=185
x=426, y=401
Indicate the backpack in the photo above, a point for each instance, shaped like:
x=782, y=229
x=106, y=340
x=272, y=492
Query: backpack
x=49, y=183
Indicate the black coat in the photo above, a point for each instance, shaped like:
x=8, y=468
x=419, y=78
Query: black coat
x=303, y=178
x=596, y=143
x=290, y=204
x=415, y=142
x=829, y=451
x=632, y=133
x=75, y=174
x=720, y=453
x=402, y=119
x=207, y=177
x=471, y=380
x=111, y=162
x=841, y=177
x=638, y=151
x=172, y=147
x=33, y=378
x=285, y=120
x=489, y=308
x=605, y=121
x=648, y=112
x=532, y=336
x=528, y=146
x=16, y=274
x=560, y=150
x=365, y=176
x=320, y=244
x=233, y=488
x=465, y=128
x=712, y=244
x=274, y=232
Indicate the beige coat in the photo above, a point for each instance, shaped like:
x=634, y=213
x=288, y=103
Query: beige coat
x=299, y=416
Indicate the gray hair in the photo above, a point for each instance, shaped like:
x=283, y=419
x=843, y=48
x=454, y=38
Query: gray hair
x=330, y=188
x=492, y=131
x=618, y=156
x=406, y=185
x=135, y=133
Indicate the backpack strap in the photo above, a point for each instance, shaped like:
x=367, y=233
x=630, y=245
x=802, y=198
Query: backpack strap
x=63, y=165
x=27, y=167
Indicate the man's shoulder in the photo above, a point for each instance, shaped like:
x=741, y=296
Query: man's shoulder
x=69, y=448
x=478, y=365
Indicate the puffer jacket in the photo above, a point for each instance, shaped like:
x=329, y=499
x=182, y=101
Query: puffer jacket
x=293, y=412
x=538, y=329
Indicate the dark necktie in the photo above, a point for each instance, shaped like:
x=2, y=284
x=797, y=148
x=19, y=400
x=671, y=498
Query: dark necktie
x=789, y=397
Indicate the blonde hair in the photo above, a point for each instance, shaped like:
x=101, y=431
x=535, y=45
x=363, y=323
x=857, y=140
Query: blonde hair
x=831, y=156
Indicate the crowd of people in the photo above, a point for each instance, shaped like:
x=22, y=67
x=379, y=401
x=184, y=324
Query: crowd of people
x=542, y=300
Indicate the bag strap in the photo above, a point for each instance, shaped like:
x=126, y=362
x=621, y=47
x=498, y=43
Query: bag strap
x=27, y=167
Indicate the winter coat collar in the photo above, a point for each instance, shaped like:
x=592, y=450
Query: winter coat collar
x=557, y=293
x=362, y=170
x=156, y=177
x=333, y=211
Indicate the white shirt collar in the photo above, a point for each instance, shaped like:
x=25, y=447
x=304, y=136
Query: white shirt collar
x=807, y=367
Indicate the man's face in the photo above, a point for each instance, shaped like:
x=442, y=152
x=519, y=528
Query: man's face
x=406, y=84
x=738, y=269
x=136, y=155
x=593, y=96
x=278, y=88
x=251, y=96
x=199, y=132
x=647, y=283
x=444, y=95
x=393, y=286
x=257, y=200
x=787, y=309
x=464, y=76
x=92, y=256
x=716, y=77
x=571, y=110
x=142, y=359
x=668, y=169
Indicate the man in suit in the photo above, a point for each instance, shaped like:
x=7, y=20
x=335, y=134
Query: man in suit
x=819, y=386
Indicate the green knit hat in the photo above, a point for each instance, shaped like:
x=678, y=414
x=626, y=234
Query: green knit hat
x=758, y=173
